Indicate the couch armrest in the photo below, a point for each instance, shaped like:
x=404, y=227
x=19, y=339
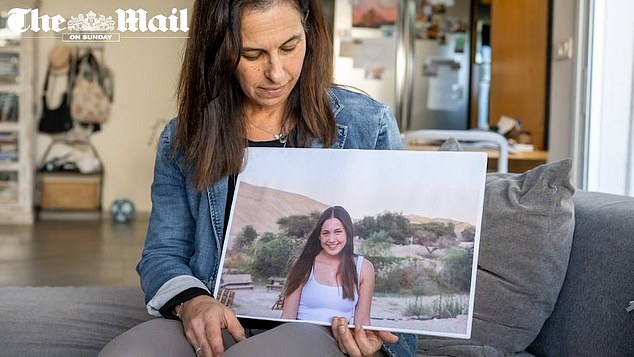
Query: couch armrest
x=590, y=317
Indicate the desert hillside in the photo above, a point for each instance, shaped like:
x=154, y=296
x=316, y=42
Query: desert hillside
x=261, y=207
x=460, y=226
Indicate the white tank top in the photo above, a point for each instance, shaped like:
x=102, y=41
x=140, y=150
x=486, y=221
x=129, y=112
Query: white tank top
x=320, y=302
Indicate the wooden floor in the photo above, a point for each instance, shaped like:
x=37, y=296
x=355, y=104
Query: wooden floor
x=71, y=253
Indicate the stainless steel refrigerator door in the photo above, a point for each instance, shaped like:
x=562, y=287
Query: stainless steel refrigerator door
x=440, y=68
x=427, y=84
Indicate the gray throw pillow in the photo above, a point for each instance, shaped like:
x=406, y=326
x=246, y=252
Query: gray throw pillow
x=450, y=144
x=525, y=242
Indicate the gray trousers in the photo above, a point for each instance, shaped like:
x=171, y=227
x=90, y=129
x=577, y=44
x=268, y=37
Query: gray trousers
x=162, y=337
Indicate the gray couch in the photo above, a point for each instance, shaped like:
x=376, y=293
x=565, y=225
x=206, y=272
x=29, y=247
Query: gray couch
x=589, y=316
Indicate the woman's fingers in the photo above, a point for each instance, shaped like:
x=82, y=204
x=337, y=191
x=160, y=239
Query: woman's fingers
x=387, y=336
x=199, y=341
x=214, y=336
x=359, y=342
x=344, y=337
x=235, y=328
x=368, y=342
x=203, y=321
x=200, y=336
x=228, y=321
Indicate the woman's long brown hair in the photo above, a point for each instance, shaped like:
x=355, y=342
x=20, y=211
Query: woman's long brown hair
x=211, y=124
x=300, y=271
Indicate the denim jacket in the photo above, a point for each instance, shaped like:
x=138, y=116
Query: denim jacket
x=184, y=239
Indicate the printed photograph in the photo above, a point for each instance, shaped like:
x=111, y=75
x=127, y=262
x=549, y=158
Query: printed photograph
x=386, y=239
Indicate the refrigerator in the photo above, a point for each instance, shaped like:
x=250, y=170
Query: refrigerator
x=414, y=55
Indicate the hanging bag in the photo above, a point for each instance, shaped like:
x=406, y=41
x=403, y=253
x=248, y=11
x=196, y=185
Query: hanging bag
x=57, y=120
x=90, y=104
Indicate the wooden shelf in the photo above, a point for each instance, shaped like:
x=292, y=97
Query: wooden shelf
x=16, y=203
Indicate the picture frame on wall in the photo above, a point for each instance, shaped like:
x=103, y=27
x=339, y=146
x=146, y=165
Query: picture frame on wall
x=374, y=13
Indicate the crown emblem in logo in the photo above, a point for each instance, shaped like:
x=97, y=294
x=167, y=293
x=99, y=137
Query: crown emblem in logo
x=91, y=22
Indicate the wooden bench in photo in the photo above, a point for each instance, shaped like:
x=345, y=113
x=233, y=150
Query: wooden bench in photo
x=275, y=283
x=236, y=281
x=226, y=296
x=279, y=304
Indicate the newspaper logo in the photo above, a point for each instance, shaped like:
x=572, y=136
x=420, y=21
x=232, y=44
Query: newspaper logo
x=91, y=22
x=91, y=26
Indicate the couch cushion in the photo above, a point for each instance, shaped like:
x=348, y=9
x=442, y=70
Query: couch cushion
x=590, y=317
x=66, y=321
x=525, y=241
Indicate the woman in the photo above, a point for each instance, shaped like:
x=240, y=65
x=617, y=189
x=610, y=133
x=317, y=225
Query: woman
x=328, y=280
x=255, y=73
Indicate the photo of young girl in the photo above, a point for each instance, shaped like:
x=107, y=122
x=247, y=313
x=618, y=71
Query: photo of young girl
x=387, y=240
x=328, y=279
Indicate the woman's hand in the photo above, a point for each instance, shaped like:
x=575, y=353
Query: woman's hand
x=203, y=320
x=359, y=342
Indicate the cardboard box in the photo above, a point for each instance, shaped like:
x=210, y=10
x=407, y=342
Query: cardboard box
x=70, y=191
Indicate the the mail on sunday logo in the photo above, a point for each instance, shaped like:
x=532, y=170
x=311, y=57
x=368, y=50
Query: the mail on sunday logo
x=94, y=27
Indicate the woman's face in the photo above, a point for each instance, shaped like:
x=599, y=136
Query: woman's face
x=332, y=236
x=272, y=55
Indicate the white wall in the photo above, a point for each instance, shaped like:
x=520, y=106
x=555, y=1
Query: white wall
x=611, y=107
x=145, y=77
x=592, y=95
x=562, y=85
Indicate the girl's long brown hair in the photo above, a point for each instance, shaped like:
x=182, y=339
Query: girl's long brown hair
x=211, y=124
x=300, y=271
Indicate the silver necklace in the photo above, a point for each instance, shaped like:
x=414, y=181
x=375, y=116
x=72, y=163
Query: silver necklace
x=280, y=136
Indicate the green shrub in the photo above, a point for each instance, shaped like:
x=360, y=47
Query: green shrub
x=456, y=275
x=449, y=307
x=273, y=255
x=417, y=309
